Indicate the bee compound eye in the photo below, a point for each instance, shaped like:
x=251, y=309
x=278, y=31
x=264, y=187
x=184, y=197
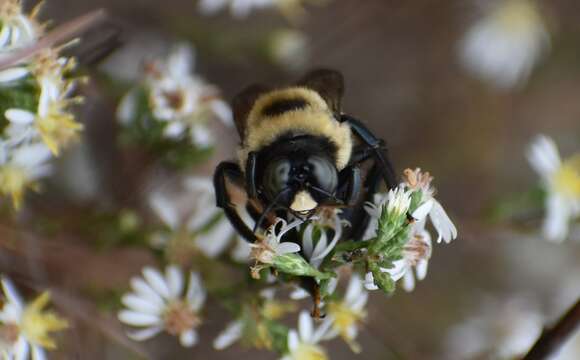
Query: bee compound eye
x=276, y=177
x=324, y=173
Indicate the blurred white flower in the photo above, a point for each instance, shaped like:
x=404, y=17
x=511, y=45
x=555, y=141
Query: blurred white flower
x=25, y=328
x=268, y=247
x=241, y=8
x=20, y=167
x=561, y=180
x=499, y=330
x=347, y=314
x=161, y=302
x=303, y=344
x=178, y=97
x=504, y=45
x=290, y=48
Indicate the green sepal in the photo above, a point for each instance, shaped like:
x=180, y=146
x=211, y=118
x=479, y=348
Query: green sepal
x=295, y=264
x=382, y=279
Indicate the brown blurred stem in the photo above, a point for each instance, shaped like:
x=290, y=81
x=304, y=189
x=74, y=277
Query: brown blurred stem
x=553, y=339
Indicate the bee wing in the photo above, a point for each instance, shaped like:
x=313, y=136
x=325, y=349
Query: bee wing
x=242, y=105
x=329, y=84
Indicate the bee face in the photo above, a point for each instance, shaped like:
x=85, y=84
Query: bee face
x=300, y=182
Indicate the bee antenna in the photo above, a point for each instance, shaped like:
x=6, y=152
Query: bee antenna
x=270, y=207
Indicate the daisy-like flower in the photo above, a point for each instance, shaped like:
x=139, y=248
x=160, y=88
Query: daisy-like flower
x=316, y=251
x=292, y=9
x=268, y=247
x=20, y=168
x=303, y=344
x=17, y=29
x=290, y=49
x=347, y=314
x=503, y=46
x=416, y=180
x=396, y=202
x=201, y=226
x=561, y=178
x=25, y=328
x=181, y=99
x=161, y=302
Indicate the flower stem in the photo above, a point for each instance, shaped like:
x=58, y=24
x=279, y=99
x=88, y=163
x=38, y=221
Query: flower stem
x=554, y=338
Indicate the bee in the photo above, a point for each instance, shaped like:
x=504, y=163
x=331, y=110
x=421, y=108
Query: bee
x=300, y=153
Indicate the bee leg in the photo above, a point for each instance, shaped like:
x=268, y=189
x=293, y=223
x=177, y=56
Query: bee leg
x=232, y=172
x=376, y=146
x=312, y=287
x=350, y=181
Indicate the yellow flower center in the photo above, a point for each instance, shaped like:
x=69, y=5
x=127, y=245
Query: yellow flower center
x=13, y=182
x=57, y=129
x=518, y=16
x=36, y=324
x=309, y=352
x=345, y=318
x=179, y=317
x=9, y=9
x=274, y=310
x=567, y=178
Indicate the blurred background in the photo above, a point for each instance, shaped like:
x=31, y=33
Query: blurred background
x=405, y=78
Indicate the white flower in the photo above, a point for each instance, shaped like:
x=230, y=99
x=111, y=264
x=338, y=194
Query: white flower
x=562, y=182
x=397, y=202
x=303, y=344
x=20, y=168
x=267, y=248
x=506, y=43
x=290, y=48
x=25, y=328
x=316, y=251
x=346, y=315
x=178, y=97
x=500, y=330
x=192, y=225
x=160, y=303
x=417, y=180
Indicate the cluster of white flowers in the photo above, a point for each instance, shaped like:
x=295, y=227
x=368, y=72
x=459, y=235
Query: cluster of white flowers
x=179, y=99
x=37, y=109
x=505, y=44
x=561, y=180
x=25, y=328
x=417, y=250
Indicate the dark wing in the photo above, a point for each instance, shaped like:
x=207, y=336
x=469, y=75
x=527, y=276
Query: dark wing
x=242, y=105
x=329, y=84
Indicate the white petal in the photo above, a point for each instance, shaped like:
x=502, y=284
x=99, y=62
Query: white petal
x=399, y=269
x=370, y=282
x=174, y=279
x=223, y=112
x=299, y=294
x=308, y=241
x=127, y=108
x=421, y=212
x=31, y=156
x=180, y=61
x=354, y=290
x=12, y=74
x=144, y=290
x=409, y=281
x=201, y=136
x=195, y=292
x=293, y=340
x=18, y=116
x=557, y=217
x=446, y=230
x=141, y=305
x=138, y=319
x=144, y=334
x=165, y=209
x=174, y=130
x=305, y=326
x=10, y=293
x=231, y=334
x=38, y=353
x=287, y=247
x=188, y=338
x=543, y=156
x=421, y=269
x=4, y=35
x=213, y=242
x=21, y=349
x=156, y=281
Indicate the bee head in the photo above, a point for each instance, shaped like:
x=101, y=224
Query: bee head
x=300, y=182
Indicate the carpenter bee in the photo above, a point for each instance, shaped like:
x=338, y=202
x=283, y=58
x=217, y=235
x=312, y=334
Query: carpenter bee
x=300, y=153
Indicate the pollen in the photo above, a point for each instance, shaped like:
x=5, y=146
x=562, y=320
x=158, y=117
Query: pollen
x=567, y=178
x=309, y=352
x=179, y=317
x=36, y=323
x=345, y=318
x=13, y=182
x=57, y=129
